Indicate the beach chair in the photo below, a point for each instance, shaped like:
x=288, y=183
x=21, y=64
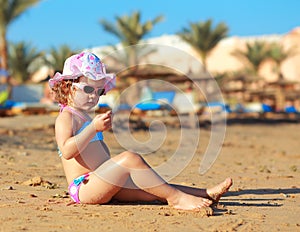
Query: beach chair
x=290, y=109
x=159, y=101
x=214, y=112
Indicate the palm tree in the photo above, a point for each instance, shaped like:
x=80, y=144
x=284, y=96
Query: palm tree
x=258, y=52
x=254, y=55
x=58, y=57
x=21, y=57
x=130, y=31
x=203, y=37
x=10, y=10
x=278, y=54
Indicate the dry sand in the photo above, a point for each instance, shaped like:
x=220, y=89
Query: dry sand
x=263, y=160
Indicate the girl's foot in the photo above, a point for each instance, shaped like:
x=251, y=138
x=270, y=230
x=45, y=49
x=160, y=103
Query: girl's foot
x=189, y=202
x=217, y=191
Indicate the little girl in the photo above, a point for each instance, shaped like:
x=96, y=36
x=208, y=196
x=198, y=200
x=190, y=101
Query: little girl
x=93, y=176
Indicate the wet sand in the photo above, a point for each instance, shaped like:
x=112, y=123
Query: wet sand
x=263, y=160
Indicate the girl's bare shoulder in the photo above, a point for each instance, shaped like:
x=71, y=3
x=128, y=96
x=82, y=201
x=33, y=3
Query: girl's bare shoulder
x=64, y=120
x=63, y=116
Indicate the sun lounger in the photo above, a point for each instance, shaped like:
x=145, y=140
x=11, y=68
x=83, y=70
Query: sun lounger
x=160, y=101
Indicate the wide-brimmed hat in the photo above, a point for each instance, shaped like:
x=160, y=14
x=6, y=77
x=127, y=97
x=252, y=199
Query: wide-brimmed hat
x=85, y=64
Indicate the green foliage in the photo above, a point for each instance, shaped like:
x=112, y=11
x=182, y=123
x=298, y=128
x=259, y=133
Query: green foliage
x=279, y=54
x=254, y=55
x=58, y=56
x=21, y=56
x=259, y=51
x=203, y=37
x=129, y=30
x=10, y=10
x=221, y=78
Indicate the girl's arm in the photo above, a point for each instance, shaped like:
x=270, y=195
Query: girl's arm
x=71, y=145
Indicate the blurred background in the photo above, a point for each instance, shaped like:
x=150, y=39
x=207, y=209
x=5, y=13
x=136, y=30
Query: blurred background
x=249, y=48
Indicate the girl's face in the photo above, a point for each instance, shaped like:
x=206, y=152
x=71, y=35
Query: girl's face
x=87, y=93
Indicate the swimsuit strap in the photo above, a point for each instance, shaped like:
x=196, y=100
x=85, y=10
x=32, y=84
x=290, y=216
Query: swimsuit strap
x=73, y=111
x=86, y=122
x=61, y=107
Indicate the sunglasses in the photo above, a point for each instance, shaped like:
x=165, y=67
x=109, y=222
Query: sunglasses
x=89, y=89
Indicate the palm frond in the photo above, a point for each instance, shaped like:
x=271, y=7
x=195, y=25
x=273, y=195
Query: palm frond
x=254, y=55
x=59, y=55
x=278, y=53
x=111, y=28
x=203, y=37
x=10, y=10
x=22, y=55
x=130, y=31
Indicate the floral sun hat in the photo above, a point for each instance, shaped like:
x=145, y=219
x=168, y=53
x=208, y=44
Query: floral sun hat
x=85, y=64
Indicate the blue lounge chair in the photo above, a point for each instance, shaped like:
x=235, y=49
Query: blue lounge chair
x=160, y=100
x=290, y=109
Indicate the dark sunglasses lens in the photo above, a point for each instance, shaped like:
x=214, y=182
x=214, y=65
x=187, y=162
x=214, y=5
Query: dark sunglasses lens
x=100, y=92
x=88, y=89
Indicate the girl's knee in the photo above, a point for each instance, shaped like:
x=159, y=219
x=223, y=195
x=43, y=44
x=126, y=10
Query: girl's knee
x=130, y=159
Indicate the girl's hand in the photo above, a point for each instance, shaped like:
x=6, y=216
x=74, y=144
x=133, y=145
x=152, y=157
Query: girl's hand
x=103, y=122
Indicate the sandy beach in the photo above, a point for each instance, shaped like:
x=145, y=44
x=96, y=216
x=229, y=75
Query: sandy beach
x=263, y=160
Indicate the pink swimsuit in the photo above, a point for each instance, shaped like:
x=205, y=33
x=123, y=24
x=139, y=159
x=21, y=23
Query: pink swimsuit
x=75, y=186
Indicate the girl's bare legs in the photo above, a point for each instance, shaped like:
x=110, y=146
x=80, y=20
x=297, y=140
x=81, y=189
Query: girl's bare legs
x=213, y=193
x=106, y=182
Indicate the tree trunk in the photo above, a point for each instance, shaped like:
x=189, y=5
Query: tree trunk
x=4, y=60
x=3, y=51
x=204, y=62
x=280, y=99
x=280, y=76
